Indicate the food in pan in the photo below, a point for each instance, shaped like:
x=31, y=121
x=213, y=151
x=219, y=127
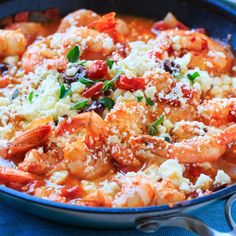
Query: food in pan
x=115, y=111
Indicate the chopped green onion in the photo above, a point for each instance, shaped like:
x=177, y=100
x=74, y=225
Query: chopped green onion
x=31, y=96
x=107, y=102
x=15, y=94
x=79, y=105
x=109, y=63
x=108, y=84
x=139, y=98
x=86, y=82
x=64, y=92
x=193, y=76
x=154, y=125
x=149, y=102
x=74, y=54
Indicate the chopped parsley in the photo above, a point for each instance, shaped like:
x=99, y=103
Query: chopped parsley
x=31, y=96
x=154, y=125
x=109, y=63
x=74, y=54
x=86, y=82
x=64, y=92
x=139, y=98
x=107, y=102
x=80, y=105
x=108, y=84
x=149, y=102
x=193, y=76
x=15, y=94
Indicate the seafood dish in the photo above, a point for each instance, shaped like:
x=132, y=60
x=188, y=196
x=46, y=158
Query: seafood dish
x=114, y=110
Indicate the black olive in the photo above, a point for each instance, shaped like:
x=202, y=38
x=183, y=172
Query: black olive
x=167, y=139
x=4, y=67
x=171, y=67
x=80, y=72
x=96, y=107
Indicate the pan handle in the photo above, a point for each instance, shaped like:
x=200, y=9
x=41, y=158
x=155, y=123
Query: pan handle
x=153, y=224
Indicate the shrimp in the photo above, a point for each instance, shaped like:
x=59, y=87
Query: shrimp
x=13, y=43
x=19, y=145
x=84, y=155
x=125, y=120
x=51, y=51
x=207, y=148
x=8, y=175
x=97, y=199
x=82, y=17
x=206, y=53
x=218, y=111
x=137, y=191
x=167, y=193
x=30, y=29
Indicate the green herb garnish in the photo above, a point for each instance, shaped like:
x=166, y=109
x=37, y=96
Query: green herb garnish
x=154, y=125
x=82, y=62
x=149, y=101
x=74, y=54
x=193, y=76
x=107, y=102
x=108, y=84
x=64, y=92
x=15, y=94
x=139, y=98
x=86, y=82
x=109, y=63
x=79, y=105
x=31, y=96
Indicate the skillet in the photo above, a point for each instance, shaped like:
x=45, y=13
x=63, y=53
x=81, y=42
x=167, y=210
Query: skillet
x=219, y=18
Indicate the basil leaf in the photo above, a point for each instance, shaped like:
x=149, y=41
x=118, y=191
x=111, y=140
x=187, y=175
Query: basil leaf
x=73, y=55
x=193, y=76
x=107, y=102
x=15, y=94
x=64, y=92
x=108, y=84
x=109, y=63
x=139, y=98
x=79, y=105
x=153, y=126
x=86, y=82
x=149, y=102
x=31, y=96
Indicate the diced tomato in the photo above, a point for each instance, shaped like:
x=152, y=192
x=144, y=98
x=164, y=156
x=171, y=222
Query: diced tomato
x=187, y=92
x=130, y=84
x=97, y=70
x=72, y=193
x=181, y=26
x=93, y=90
x=22, y=17
x=160, y=25
x=201, y=30
x=107, y=24
x=52, y=13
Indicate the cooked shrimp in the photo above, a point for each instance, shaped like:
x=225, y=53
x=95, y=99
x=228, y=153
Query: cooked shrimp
x=13, y=43
x=19, y=145
x=167, y=193
x=30, y=29
x=207, y=148
x=84, y=156
x=218, y=111
x=206, y=53
x=137, y=191
x=78, y=18
x=125, y=120
x=97, y=199
x=9, y=175
x=51, y=51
